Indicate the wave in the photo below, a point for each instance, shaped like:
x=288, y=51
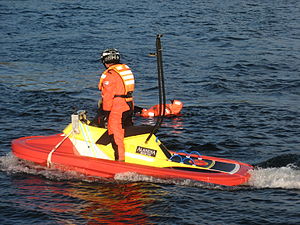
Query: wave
x=281, y=161
x=14, y=166
x=287, y=177
x=282, y=171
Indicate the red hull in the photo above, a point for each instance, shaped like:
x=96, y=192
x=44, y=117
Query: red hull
x=37, y=148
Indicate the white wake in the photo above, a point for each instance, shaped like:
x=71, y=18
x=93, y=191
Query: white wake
x=287, y=177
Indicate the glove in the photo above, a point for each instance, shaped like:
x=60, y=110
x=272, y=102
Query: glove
x=105, y=115
x=103, y=118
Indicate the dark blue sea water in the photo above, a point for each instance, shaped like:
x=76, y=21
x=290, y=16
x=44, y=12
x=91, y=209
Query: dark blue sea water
x=235, y=65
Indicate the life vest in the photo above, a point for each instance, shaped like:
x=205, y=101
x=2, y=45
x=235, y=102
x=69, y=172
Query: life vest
x=171, y=109
x=128, y=80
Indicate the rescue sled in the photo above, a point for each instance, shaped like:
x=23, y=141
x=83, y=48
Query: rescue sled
x=87, y=149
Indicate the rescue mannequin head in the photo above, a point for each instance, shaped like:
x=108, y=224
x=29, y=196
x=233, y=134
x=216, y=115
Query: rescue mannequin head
x=110, y=56
x=176, y=106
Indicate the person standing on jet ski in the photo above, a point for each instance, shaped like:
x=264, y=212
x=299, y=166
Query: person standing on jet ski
x=116, y=85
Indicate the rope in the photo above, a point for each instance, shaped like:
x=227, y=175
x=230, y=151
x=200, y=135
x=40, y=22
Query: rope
x=55, y=148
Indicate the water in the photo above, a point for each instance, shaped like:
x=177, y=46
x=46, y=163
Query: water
x=234, y=64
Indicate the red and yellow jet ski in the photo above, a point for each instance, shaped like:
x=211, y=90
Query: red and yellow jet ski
x=87, y=149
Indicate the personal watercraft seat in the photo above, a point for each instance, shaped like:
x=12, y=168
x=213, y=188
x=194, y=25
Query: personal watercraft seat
x=129, y=131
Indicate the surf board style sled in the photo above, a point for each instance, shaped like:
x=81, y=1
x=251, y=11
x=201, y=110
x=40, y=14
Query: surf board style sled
x=87, y=149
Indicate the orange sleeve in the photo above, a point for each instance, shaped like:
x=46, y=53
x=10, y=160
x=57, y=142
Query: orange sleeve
x=108, y=91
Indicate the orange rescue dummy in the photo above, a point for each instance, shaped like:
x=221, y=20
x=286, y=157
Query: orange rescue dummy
x=171, y=109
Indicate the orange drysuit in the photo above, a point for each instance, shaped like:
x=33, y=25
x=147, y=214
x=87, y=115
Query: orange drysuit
x=171, y=109
x=116, y=86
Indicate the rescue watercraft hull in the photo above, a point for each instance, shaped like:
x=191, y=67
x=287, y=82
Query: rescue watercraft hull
x=66, y=157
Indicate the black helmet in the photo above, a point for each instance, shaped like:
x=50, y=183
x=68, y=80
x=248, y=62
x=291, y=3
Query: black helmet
x=110, y=56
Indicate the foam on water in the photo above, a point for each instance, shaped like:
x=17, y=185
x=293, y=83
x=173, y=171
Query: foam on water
x=287, y=177
x=135, y=177
x=12, y=165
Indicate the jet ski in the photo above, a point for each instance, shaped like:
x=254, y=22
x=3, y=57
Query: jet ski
x=86, y=148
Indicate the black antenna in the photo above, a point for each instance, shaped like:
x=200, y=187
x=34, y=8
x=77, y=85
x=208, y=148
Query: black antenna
x=161, y=87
